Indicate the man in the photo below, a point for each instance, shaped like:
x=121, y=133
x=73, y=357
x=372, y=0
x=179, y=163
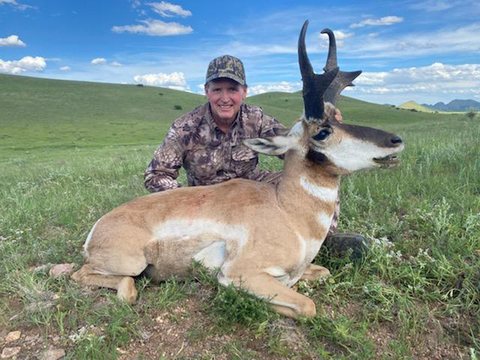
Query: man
x=207, y=142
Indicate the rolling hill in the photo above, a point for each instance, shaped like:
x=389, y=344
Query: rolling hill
x=412, y=105
x=40, y=114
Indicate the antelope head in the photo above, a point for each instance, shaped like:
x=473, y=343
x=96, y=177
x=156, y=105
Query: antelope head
x=339, y=148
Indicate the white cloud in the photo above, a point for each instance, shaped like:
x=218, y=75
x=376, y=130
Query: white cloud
x=99, y=61
x=136, y=3
x=339, y=37
x=387, y=20
x=166, y=9
x=16, y=5
x=154, y=27
x=175, y=80
x=242, y=49
x=439, y=71
x=103, y=61
x=435, y=5
x=422, y=84
x=65, y=68
x=371, y=78
x=26, y=64
x=408, y=45
x=413, y=45
x=12, y=40
x=282, y=86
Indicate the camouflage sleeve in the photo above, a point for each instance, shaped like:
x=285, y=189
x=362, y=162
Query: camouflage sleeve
x=162, y=172
x=269, y=125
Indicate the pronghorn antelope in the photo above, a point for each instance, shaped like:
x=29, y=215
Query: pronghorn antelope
x=258, y=236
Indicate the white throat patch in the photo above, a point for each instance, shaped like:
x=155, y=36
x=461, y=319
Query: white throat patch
x=320, y=192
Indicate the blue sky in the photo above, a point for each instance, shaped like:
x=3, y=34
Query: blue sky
x=421, y=50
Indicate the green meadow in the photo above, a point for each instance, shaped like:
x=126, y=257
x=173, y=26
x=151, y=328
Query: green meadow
x=72, y=151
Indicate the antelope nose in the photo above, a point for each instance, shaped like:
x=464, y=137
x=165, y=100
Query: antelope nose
x=396, y=140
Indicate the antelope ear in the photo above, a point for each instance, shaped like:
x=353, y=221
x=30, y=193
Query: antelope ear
x=277, y=145
x=330, y=111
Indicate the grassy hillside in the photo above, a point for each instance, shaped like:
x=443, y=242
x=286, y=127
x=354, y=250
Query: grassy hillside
x=72, y=151
x=287, y=108
x=52, y=114
x=39, y=115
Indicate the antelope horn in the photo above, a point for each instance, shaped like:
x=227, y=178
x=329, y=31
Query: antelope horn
x=314, y=85
x=343, y=79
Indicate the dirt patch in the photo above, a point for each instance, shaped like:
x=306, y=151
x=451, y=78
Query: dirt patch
x=188, y=330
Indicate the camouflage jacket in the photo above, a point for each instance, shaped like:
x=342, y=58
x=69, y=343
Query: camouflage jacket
x=209, y=155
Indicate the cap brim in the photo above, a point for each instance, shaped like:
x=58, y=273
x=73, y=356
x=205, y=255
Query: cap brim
x=225, y=75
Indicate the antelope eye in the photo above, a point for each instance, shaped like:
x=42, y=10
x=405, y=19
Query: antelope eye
x=322, y=135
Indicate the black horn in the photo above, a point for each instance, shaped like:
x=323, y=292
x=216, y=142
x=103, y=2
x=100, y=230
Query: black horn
x=343, y=79
x=314, y=85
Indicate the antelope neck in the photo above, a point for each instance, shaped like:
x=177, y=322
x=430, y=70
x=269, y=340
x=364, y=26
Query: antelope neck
x=306, y=186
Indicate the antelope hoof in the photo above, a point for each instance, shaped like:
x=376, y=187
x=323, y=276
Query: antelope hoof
x=314, y=272
x=127, y=291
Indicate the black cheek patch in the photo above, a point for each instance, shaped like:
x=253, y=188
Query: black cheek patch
x=316, y=157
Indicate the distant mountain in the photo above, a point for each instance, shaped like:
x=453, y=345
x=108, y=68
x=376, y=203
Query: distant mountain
x=455, y=105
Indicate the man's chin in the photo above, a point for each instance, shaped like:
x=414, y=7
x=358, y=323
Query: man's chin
x=226, y=116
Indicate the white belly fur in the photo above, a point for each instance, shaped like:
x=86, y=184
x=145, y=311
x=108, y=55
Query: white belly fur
x=203, y=240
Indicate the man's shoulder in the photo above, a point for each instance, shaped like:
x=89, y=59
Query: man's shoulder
x=187, y=123
x=254, y=117
x=252, y=111
x=193, y=117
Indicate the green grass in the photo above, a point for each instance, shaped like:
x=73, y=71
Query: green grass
x=48, y=116
x=416, y=293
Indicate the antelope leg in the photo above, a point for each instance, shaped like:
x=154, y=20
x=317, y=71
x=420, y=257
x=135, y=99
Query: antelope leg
x=314, y=272
x=125, y=285
x=283, y=299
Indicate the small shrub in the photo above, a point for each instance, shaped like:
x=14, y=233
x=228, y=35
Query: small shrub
x=471, y=114
x=234, y=305
x=178, y=107
x=140, y=85
x=161, y=94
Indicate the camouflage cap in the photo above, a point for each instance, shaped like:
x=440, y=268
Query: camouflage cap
x=226, y=66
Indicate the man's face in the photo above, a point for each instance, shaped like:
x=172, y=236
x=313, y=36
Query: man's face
x=225, y=97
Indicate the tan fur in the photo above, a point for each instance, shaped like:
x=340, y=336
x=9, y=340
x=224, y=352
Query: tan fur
x=261, y=237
